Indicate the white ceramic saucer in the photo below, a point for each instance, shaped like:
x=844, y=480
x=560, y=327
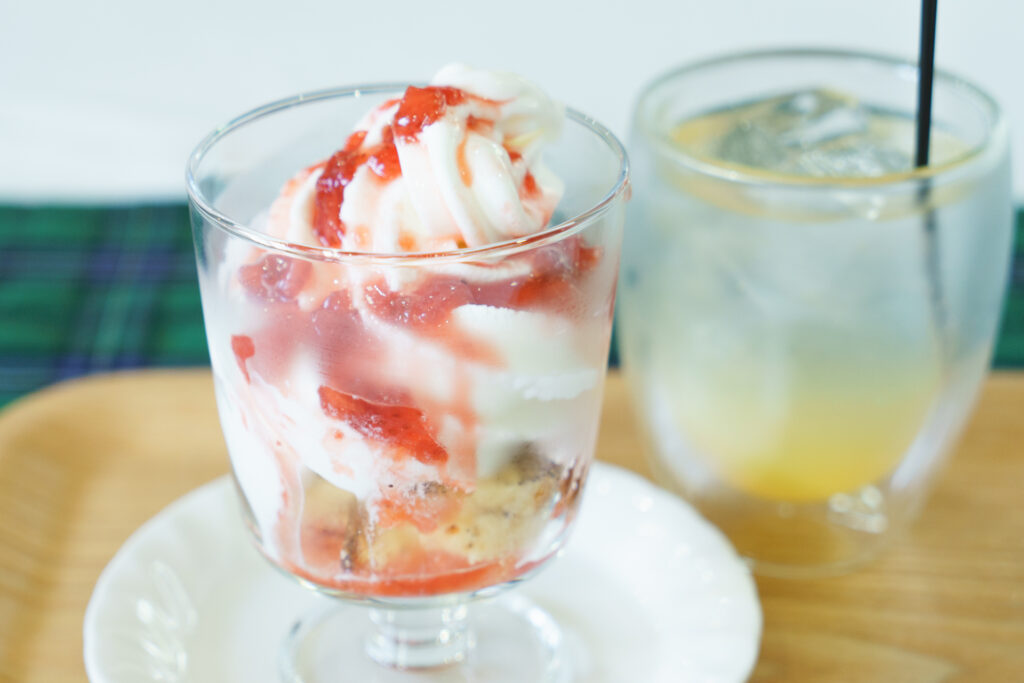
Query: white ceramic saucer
x=646, y=590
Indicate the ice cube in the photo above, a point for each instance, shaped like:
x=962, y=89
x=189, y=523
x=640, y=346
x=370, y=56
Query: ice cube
x=815, y=133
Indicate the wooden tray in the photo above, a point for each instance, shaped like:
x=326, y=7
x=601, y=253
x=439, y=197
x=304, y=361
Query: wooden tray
x=84, y=463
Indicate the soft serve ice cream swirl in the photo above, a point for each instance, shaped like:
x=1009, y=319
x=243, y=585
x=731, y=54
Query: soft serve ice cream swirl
x=455, y=164
x=421, y=428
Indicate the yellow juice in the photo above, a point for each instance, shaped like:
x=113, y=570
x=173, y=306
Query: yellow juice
x=804, y=432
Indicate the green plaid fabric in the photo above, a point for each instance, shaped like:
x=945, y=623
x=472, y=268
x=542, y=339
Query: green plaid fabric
x=1009, y=352
x=90, y=289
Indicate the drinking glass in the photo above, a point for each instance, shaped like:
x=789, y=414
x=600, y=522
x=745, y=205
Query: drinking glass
x=408, y=432
x=806, y=317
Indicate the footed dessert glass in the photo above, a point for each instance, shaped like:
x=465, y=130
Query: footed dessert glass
x=408, y=432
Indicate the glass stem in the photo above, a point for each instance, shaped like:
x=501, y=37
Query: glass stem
x=423, y=638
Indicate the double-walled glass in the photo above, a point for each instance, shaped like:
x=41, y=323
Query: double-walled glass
x=805, y=340
x=407, y=431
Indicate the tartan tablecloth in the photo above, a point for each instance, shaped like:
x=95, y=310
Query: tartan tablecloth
x=91, y=289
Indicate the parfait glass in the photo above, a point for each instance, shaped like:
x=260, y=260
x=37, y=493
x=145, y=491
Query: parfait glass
x=409, y=432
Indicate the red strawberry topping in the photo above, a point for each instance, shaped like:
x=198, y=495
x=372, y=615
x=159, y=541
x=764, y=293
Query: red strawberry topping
x=422, y=106
x=275, y=278
x=397, y=425
x=243, y=349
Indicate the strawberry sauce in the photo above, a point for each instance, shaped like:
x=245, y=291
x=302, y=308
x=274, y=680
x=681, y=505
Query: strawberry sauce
x=243, y=349
x=399, y=426
x=382, y=159
x=275, y=278
x=417, y=109
x=422, y=106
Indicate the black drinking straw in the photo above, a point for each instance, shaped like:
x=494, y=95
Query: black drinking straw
x=925, y=79
x=925, y=82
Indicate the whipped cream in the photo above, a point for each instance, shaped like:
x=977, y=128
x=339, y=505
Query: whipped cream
x=469, y=154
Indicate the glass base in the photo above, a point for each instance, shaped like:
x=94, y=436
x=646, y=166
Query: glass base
x=506, y=639
x=806, y=540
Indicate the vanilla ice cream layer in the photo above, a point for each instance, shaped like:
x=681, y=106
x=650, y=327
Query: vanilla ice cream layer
x=254, y=467
x=529, y=397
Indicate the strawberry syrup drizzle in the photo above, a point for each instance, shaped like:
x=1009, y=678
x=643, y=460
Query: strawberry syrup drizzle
x=274, y=278
x=261, y=418
x=421, y=107
x=421, y=574
x=243, y=349
x=551, y=284
x=417, y=109
x=273, y=283
x=322, y=546
x=465, y=172
x=381, y=158
x=530, y=190
x=347, y=351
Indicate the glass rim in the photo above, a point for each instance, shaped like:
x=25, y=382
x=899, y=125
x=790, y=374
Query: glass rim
x=664, y=147
x=552, y=233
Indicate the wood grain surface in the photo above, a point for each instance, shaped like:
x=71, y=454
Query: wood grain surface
x=83, y=464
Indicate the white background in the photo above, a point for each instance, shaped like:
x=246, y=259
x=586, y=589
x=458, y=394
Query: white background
x=102, y=101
